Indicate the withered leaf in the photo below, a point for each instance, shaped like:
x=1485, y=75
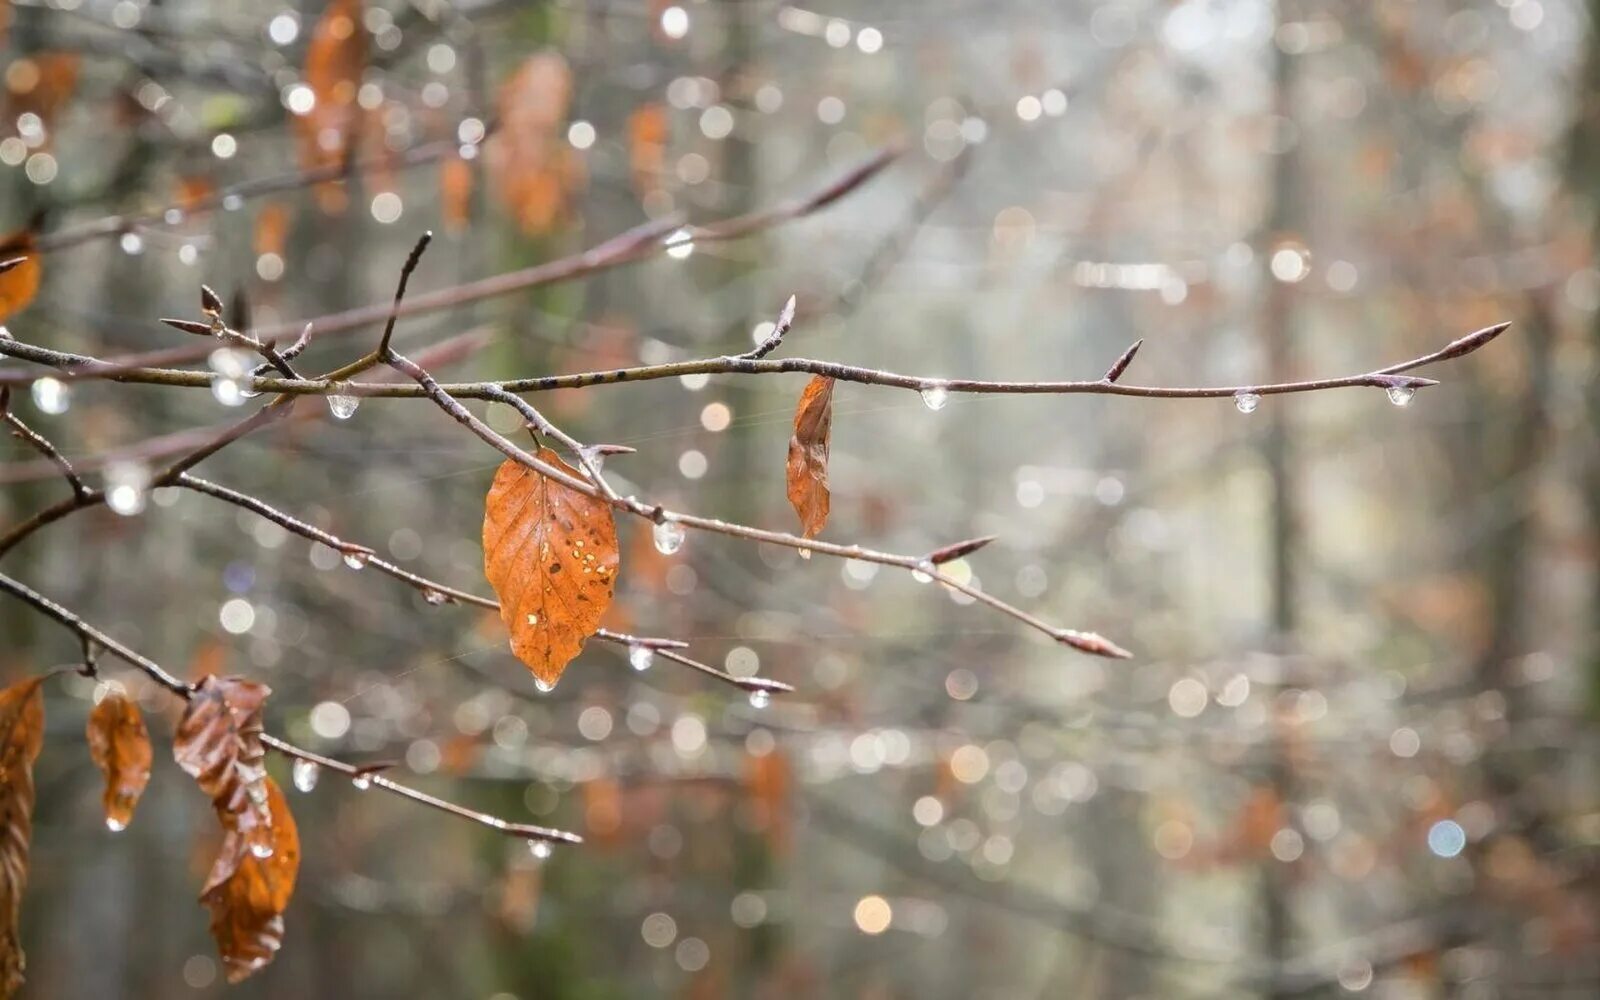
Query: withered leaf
x=808, y=455
x=250, y=886
x=21, y=737
x=550, y=553
x=120, y=746
x=18, y=284
x=218, y=743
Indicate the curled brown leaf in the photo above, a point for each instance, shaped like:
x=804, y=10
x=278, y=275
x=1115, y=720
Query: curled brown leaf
x=21, y=738
x=808, y=455
x=119, y=744
x=250, y=885
x=218, y=743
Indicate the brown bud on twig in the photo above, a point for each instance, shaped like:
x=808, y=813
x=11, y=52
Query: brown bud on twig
x=210, y=302
x=189, y=326
x=956, y=550
x=1122, y=363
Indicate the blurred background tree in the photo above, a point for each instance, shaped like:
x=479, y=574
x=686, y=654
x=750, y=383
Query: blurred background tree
x=1356, y=751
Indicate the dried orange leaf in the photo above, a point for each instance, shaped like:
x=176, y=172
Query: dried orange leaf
x=808, y=455
x=21, y=737
x=250, y=885
x=550, y=552
x=218, y=743
x=18, y=284
x=120, y=746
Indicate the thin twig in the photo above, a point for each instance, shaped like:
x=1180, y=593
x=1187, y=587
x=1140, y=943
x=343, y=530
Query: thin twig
x=88, y=633
x=41, y=444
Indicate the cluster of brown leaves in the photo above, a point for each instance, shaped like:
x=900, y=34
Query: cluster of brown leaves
x=550, y=551
x=218, y=742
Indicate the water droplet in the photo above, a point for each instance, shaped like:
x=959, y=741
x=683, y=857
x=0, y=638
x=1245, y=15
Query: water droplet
x=261, y=849
x=804, y=553
x=935, y=395
x=356, y=560
x=306, y=773
x=435, y=597
x=247, y=388
x=680, y=244
x=115, y=825
x=51, y=395
x=760, y=698
x=341, y=402
x=127, y=486
x=668, y=537
x=227, y=391
x=544, y=686
x=540, y=849
x=1247, y=401
x=362, y=782
x=640, y=657
x=1400, y=395
x=923, y=573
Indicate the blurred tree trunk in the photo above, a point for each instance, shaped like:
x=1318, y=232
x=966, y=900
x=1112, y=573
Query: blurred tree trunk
x=1583, y=178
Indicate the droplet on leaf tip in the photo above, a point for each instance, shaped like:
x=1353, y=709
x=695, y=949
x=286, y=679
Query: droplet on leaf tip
x=115, y=825
x=544, y=686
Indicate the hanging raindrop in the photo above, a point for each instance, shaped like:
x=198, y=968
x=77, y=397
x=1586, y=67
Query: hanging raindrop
x=1247, y=401
x=544, y=686
x=362, y=781
x=935, y=395
x=435, y=597
x=261, y=849
x=341, y=402
x=669, y=537
x=115, y=825
x=1400, y=395
x=540, y=849
x=640, y=657
x=306, y=773
x=804, y=553
x=356, y=560
x=760, y=698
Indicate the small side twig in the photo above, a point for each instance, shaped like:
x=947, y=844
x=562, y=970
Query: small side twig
x=42, y=445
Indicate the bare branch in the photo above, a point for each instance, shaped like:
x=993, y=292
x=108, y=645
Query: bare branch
x=89, y=634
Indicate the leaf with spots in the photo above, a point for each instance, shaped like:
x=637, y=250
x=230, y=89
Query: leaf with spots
x=218, y=743
x=250, y=885
x=19, y=282
x=21, y=738
x=808, y=455
x=550, y=552
x=119, y=744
